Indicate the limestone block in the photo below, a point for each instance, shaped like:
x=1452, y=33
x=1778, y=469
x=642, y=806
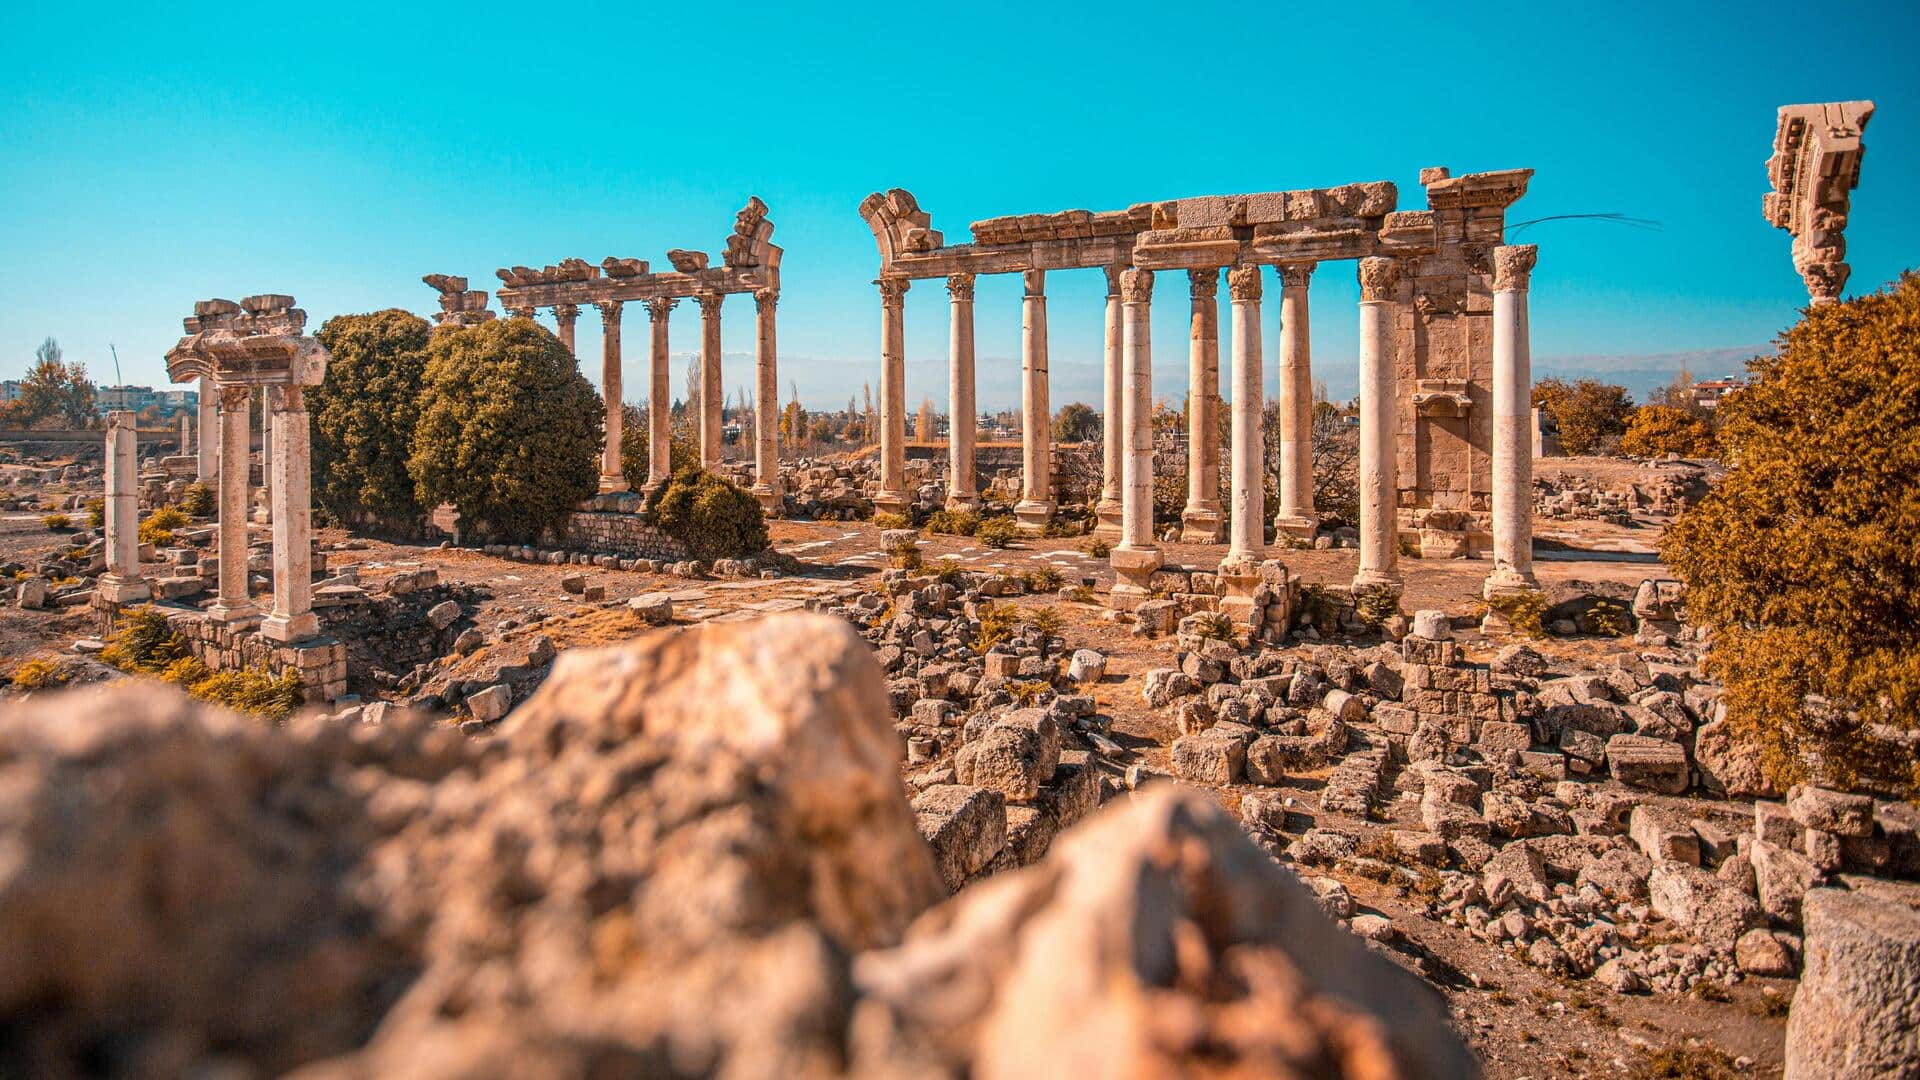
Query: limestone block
x=490, y=704
x=1831, y=811
x=1782, y=877
x=1857, y=1012
x=1014, y=756
x=1654, y=764
x=1663, y=836
x=443, y=614
x=965, y=826
x=654, y=608
x=1087, y=667
x=1709, y=909
x=1217, y=755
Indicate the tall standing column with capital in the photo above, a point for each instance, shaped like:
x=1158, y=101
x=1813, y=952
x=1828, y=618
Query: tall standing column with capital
x=208, y=423
x=712, y=395
x=1296, y=516
x=1512, y=423
x=962, y=416
x=233, y=605
x=292, y=618
x=892, y=496
x=1136, y=557
x=1246, y=535
x=612, y=476
x=564, y=316
x=766, y=397
x=122, y=583
x=1035, y=508
x=1379, y=481
x=1200, y=520
x=659, y=395
x=1113, y=431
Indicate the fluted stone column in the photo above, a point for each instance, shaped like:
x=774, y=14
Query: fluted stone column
x=712, y=394
x=1296, y=516
x=659, y=395
x=564, y=316
x=1113, y=431
x=766, y=408
x=233, y=605
x=292, y=618
x=612, y=476
x=208, y=422
x=892, y=496
x=1200, y=520
x=963, y=492
x=1512, y=423
x=1136, y=558
x=1379, y=482
x=122, y=583
x=1035, y=508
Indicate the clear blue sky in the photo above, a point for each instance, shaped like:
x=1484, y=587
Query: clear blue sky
x=338, y=151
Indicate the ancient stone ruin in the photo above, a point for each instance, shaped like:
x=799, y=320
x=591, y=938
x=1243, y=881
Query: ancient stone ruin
x=1814, y=168
x=750, y=264
x=1445, y=422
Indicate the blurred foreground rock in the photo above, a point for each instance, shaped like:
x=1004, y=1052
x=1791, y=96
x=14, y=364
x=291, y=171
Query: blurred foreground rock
x=688, y=855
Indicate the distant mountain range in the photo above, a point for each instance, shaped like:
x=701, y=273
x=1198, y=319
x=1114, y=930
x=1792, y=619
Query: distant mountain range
x=1649, y=371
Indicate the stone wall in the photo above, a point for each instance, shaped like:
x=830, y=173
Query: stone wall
x=320, y=663
x=613, y=525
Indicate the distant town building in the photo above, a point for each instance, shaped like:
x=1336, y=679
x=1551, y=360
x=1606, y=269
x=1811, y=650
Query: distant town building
x=9, y=389
x=139, y=398
x=1707, y=394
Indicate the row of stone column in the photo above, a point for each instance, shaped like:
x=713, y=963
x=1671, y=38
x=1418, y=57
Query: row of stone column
x=712, y=392
x=1127, y=492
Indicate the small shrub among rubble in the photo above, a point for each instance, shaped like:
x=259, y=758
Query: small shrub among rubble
x=887, y=519
x=948, y=571
x=57, y=522
x=996, y=532
x=904, y=554
x=996, y=625
x=1045, y=579
x=1524, y=611
x=37, y=674
x=1213, y=626
x=1682, y=1063
x=1045, y=621
x=158, y=528
x=96, y=513
x=1097, y=548
x=198, y=500
x=714, y=518
x=1375, y=604
x=953, y=522
x=144, y=641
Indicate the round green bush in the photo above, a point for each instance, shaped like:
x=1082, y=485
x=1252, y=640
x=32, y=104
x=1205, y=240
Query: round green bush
x=714, y=519
x=509, y=430
x=363, y=418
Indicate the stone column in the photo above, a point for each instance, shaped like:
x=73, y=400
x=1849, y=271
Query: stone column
x=233, y=605
x=292, y=618
x=712, y=394
x=1296, y=516
x=659, y=396
x=185, y=434
x=564, y=316
x=612, y=476
x=1113, y=431
x=122, y=584
x=1035, y=508
x=208, y=422
x=1512, y=423
x=1136, y=558
x=963, y=493
x=263, y=512
x=1200, y=521
x=766, y=403
x=1247, y=516
x=1379, y=482
x=892, y=496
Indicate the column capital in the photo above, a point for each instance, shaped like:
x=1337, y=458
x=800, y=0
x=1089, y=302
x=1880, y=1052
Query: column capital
x=765, y=300
x=1295, y=275
x=1513, y=266
x=1035, y=282
x=709, y=304
x=1824, y=280
x=1379, y=275
x=893, y=291
x=960, y=286
x=609, y=310
x=290, y=398
x=235, y=397
x=1243, y=283
x=1113, y=279
x=519, y=311
x=1204, y=284
x=566, y=312
x=1136, y=286
x=659, y=306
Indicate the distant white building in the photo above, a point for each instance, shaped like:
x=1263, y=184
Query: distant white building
x=9, y=389
x=108, y=398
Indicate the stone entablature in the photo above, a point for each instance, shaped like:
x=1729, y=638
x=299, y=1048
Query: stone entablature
x=1814, y=168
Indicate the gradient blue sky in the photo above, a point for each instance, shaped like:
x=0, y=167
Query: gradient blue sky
x=339, y=151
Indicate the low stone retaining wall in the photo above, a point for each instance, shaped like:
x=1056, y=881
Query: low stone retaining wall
x=320, y=664
x=618, y=532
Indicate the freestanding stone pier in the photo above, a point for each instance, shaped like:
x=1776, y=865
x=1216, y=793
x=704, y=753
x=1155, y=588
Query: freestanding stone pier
x=1512, y=424
x=122, y=583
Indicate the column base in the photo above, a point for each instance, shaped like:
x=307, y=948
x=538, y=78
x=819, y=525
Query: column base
x=1201, y=524
x=770, y=498
x=1507, y=582
x=1242, y=579
x=1132, y=576
x=115, y=590
x=1108, y=516
x=959, y=500
x=1033, y=517
x=890, y=502
x=233, y=614
x=1300, y=527
x=290, y=628
x=1369, y=579
x=613, y=485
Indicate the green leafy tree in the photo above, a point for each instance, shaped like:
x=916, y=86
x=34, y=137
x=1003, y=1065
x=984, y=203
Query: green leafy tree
x=509, y=430
x=1591, y=414
x=1804, y=560
x=1666, y=429
x=636, y=453
x=1076, y=423
x=54, y=393
x=715, y=519
x=364, y=415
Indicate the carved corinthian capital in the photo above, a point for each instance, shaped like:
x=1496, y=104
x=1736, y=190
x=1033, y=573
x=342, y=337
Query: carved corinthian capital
x=1296, y=275
x=1513, y=267
x=765, y=300
x=960, y=286
x=709, y=304
x=1203, y=284
x=1243, y=283
x=519, y=311
x=609, y=310
x=1113, y=279
x=893, y=291
x=1378, y=277
x=1136, y=286
x=658, y=307
x=1825, y=280
x=566, y=312
x=236, y=397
